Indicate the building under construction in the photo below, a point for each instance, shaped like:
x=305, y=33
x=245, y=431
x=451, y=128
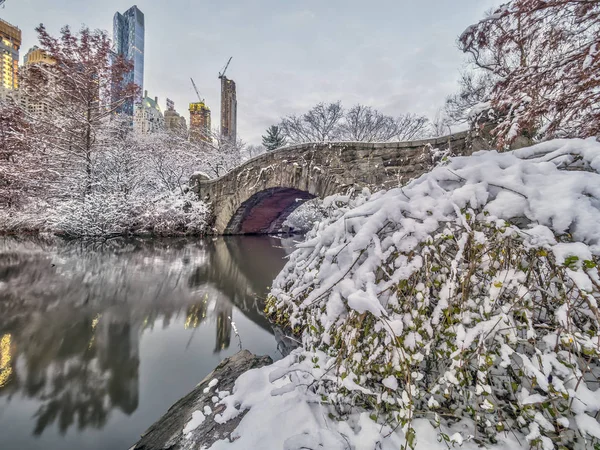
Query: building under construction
x=228, y=109
x=199, y=122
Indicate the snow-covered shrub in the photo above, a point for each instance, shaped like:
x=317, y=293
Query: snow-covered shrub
x=472, y=293
x=110, y=214
x=303, y=218
x=98, y=214
x=176, y=214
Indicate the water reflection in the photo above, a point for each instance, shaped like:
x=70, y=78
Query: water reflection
x=72, y=316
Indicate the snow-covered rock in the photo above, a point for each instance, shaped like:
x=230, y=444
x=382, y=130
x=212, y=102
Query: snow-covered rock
x=189, y=423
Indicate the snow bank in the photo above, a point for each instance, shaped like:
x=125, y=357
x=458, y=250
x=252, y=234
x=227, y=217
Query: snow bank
x=285, y=413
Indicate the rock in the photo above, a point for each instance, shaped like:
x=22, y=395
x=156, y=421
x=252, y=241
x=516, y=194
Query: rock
x=167, y=433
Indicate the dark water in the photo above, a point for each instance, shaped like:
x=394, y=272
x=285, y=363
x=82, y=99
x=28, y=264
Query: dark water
x=97, y=341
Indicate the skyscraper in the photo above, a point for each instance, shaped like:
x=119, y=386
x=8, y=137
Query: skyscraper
x=128, y=41
x=10, y=42
x=37, y=104
x=173, y=121
x=228, y=109
x=199, y=122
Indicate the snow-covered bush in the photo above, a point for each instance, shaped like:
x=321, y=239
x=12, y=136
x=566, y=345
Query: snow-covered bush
x=176, y=214
x=303, y=218
x=98, y=214
x=472, y=293
x=110, y=214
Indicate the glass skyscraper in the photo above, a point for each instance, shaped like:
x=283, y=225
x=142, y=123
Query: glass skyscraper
x=128, y=40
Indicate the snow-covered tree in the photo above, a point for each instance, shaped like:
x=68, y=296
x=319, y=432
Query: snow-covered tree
x=543, y=59
x=14, y=151
x=83, y=88
x=218, y=155
x=274, y=138
x=475, y=88
x=94, y=175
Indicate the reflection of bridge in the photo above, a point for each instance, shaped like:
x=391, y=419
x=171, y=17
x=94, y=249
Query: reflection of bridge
x=80, y=359
x=256, y=197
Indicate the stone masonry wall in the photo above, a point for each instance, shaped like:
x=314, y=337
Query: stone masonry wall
x=320, y=170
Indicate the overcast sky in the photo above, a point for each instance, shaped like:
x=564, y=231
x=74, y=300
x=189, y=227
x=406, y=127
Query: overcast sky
x=396, y=55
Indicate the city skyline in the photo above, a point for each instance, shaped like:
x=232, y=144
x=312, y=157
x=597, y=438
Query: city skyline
x=405, y=60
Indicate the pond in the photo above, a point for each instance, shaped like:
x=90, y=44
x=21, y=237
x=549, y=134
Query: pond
x=97, y=340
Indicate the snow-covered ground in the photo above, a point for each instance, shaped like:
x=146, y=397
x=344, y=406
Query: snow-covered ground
x=285, y=414
x=461, y=309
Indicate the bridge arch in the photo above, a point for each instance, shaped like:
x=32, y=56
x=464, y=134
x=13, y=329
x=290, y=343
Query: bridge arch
x=257, y=196
x=265, y=211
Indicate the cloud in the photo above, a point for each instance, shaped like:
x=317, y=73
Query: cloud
x=396, y=55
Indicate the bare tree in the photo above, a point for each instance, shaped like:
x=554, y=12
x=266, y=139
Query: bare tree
x=320, y=124
x=475, y=87
x=412, y=126
x=441, y=125
x=250, y=151
x=544, y=61
x=329, y=122
x=365, y=124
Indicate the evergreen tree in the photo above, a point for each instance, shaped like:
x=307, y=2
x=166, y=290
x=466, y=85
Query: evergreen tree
x=274, y=138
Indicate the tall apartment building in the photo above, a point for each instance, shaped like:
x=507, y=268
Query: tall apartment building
x=148, y=117
x=128, y=41
x=199, y=122
x=10, y=42
x=228, y=109
x=173, y=120
x=42, y=105
x=36, y=55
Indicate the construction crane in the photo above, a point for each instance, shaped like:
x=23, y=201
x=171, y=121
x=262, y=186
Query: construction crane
x=222, y=74
x=195, y=88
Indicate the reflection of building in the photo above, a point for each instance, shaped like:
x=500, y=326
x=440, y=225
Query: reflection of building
x=173, y=120
x=228, y=109
x=196, y=314
x=10, y=42
x=128, y=41
x=223, y=327
x=5, y=359
x=117, y=341
x=199, y=122
x=148, y=118
x=76, y=362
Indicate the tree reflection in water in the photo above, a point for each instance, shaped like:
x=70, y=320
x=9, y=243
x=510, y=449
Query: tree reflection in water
x=72, y=314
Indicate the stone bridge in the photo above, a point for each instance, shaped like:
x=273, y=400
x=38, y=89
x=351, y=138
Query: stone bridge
x=257, y=196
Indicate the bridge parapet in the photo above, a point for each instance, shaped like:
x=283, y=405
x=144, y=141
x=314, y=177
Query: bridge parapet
x=256, y=197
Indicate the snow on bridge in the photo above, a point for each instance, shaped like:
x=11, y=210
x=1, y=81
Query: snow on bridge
x=257, y=196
